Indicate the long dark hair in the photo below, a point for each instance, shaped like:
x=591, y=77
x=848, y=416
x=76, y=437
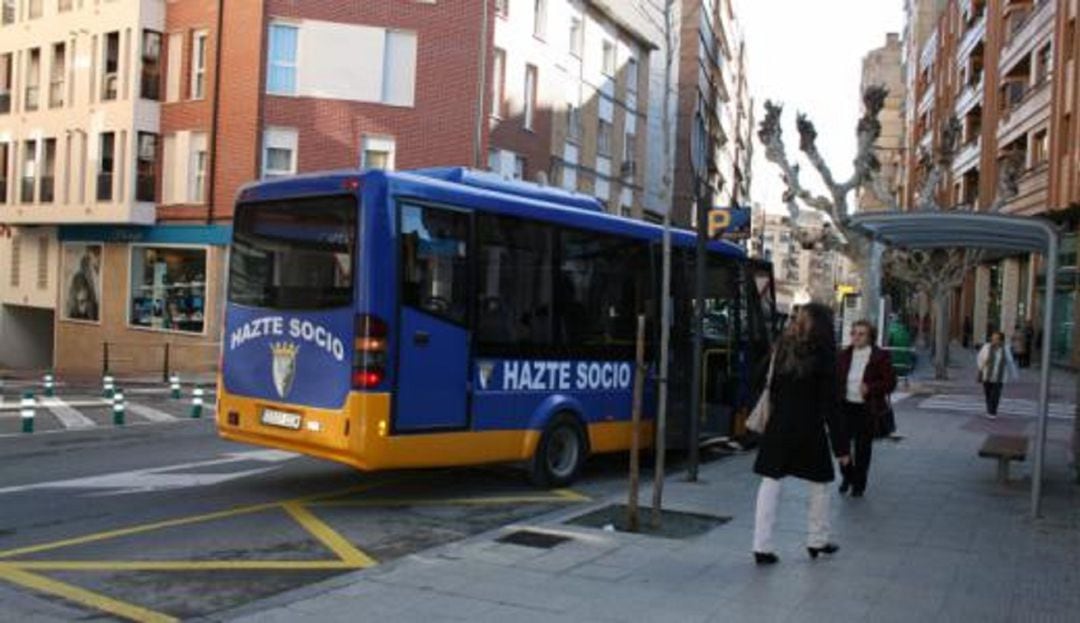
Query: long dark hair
x=800, y=352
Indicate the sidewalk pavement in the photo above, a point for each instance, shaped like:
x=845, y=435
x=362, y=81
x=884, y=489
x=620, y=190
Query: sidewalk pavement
x=935, y=538
x=963, y=371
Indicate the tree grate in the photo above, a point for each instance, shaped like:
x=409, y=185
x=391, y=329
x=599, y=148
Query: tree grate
x=528, y=538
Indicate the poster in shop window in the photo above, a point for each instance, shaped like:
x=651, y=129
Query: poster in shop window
x=82, y=282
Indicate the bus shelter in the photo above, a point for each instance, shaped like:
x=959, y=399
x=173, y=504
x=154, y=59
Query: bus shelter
x=995, y=233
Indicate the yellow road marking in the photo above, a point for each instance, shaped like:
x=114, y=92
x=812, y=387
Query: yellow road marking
x=328, y=536
x=570, y=494
x=181, y=565
x=477, y=501
x=181, y=521
x=82, y=596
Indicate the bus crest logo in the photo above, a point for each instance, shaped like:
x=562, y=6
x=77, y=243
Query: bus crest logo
x=284, y=366
x=485, y=369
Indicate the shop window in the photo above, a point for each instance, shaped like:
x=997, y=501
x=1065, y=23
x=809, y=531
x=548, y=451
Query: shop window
x=168, y=288
x=81, y=281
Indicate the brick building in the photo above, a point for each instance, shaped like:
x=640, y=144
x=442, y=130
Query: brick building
x=1007, y=70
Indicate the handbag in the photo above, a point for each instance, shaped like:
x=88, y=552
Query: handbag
x=759, y=415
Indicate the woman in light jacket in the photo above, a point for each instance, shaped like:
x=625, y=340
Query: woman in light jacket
x=803, y=416
x=996, y=366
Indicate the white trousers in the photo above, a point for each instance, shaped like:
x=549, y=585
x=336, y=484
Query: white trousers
x=768, y=498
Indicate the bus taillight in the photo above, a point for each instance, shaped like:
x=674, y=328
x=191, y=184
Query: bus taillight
x=369, y=353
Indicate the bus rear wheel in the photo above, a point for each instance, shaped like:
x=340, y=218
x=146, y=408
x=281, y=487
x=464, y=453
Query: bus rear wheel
x=560, y=454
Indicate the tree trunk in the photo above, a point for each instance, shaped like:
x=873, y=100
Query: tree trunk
x=1076, y=433
x=941, y=336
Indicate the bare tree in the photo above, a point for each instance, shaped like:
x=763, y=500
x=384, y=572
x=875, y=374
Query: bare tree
x=936, y=273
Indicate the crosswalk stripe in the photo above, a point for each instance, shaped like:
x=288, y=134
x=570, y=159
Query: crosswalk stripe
x=68, y=416
x=1009, y=406
x=150, y=413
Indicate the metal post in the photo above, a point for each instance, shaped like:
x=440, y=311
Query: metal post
x=197, y=403
x=26, y=412
x=174, y=386
x=108, y=388
x=49, y=383
x=165, y=366
x=1044, y=373
x=699, y=338
x=632, y=519
x=105, y=359
x=118, y=407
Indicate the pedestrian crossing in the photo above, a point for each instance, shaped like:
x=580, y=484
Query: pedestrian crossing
x=68, y=415
x=55, y=414
x=976, y=405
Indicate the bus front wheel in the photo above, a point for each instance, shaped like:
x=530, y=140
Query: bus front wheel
x=560, y=453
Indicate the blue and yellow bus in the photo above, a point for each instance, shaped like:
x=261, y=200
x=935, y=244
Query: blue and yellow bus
x=448, y=317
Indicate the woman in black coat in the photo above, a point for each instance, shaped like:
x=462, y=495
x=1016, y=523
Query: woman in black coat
x=803, y=416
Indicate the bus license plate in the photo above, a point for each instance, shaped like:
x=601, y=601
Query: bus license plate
x=272, y=417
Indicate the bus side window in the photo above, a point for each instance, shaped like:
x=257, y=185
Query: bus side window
x=434, y=257
x=515, y=282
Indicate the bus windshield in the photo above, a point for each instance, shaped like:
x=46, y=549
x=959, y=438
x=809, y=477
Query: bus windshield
x=294, y=254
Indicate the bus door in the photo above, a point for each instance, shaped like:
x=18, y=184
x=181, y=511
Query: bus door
x=433, y=336
x=720, y=357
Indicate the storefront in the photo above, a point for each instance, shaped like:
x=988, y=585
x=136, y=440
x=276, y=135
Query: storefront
x=1063, y=344
x=140, y=300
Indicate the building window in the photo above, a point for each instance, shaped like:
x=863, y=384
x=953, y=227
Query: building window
x=106, y=166
x=7, y=12
x=502, y=8
x=199, y=161
x=519, y=168
x=110, y=84
x=42, y=262
x=494, y=161
x=33, y=8
x=1040, y=148
x=5, y=162
x=6, y=82
x=530, y=96
x=629, y=155
x=282, y=59
x=279, y=152
x=198, y=65
x=48, y=171
x=57, y=75
x=603, y=138
x=168, y=288
x=498, y=84
x=150, y=81
x=631, y=75
x=577, y=36
x=540, y=19
x=1044, y=64
x=33, y=80
x=608, y=66
x=63, y=6
x=29, y=176
x=146, y=167
x=573, y=123
x=378, y=153
x=569, y=168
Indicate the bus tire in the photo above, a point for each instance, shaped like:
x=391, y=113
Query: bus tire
x=560, y=453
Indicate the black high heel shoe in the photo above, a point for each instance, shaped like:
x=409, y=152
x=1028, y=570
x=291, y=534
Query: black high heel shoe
x=766, y=558
x=828, y=548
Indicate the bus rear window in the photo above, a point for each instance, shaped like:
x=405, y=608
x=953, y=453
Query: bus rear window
x=295, y=254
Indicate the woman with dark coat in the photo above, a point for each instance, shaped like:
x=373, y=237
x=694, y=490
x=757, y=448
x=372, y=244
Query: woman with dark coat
x=803, y=416
x=865, y=379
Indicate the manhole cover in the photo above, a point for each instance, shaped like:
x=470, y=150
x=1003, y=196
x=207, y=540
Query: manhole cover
x=528, y=538
x=673, y=524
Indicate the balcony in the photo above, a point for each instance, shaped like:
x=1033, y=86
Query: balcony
x=1024, y=109
x=927, y=99
x=1026, y=28
x=1031, y=198
x=970, y=96
x=972, y=37
x=967, y=156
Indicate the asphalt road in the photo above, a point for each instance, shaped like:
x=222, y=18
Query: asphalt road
x=165, y=521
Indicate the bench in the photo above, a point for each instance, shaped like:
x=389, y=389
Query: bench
x=1004, y=448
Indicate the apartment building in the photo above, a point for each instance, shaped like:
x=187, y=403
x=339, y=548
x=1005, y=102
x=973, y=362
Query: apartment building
x=801, y=270
x=996, y=65
x=570, y=98
x=883, y=67
x=712, y=89
x=127, y=127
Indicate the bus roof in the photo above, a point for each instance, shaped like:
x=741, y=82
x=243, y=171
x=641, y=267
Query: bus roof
x=479, y=190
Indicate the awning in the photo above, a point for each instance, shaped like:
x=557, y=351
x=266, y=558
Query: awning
x=991, y=232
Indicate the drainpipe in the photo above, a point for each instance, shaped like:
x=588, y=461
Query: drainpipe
x=478, y=138
x=211, y=176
